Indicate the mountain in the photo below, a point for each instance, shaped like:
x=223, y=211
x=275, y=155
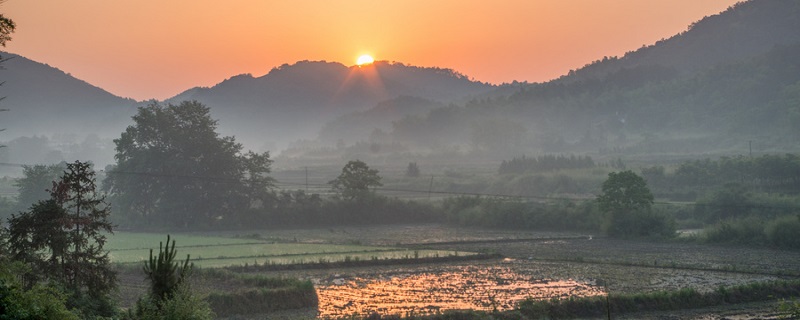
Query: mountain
x=729, y=79
x=294, y=101
x=43, y=100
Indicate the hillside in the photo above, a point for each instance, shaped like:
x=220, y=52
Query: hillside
x=43, y=100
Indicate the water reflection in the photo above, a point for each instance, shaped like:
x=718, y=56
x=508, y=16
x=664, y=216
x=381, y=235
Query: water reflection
x=468, y=287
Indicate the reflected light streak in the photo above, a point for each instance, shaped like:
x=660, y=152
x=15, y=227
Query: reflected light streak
x=471, y=288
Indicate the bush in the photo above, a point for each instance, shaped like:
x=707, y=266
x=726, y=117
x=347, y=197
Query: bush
x=749, y=230
x=784, y=231
x=779, y=232
x=39, y=302
x=183, y=304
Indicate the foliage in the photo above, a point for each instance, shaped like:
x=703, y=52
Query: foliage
x=545, y=163
x=182, y=305
x=62, y=239
x=170, y=297
x=38, y=302
x=625, y=192
x=7, y=27
x=626, y=201
x=263, y=300
x=174, y=168
x=780, y=231
x=508, y=213
x=771, y=172
x=783, y=231
x=35, y=182
x=165, y=274
x=355, y=181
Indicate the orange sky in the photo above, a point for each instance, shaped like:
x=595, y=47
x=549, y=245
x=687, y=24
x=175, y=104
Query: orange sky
x=157, y=48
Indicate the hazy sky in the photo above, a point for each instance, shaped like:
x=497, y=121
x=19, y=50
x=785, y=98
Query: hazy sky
x=157, y=48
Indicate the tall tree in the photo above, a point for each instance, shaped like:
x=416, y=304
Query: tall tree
x=172, y=166
x=355, y=181
x=627, y=201
x=62, y=238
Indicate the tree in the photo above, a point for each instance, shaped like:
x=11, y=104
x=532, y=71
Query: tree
x=62, y=239
x=627, y=202
x=165, y=274
x=170, y=295
x=172, y=166
x=412, y=170
x=355, y=181
x=35, y=182
x=39, y=302
x=7, y=27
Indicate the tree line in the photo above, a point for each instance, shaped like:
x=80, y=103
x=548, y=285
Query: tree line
x=545, y=163
x=769, y=172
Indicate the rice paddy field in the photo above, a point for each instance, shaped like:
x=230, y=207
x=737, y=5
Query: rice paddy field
x=210, y=251
x=539, y=265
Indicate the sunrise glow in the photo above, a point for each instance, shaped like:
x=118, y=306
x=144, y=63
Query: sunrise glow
x=521, y=40
x=365, y=59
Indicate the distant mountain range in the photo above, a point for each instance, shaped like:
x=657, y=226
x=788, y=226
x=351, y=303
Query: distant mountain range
x=294, y=101
x=729, y=75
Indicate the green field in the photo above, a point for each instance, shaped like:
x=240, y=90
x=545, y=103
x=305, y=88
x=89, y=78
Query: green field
x=212, y=251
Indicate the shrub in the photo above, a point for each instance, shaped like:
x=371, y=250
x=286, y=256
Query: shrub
x=784, y=231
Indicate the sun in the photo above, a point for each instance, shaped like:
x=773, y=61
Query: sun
x=364, y=59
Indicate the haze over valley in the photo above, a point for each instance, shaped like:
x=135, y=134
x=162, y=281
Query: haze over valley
x=659, y=179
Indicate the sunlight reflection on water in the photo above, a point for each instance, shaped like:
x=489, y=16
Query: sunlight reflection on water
x=479, y=288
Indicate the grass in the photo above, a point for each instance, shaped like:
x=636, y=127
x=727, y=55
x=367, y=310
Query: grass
x=213, y=252
x=135, y=240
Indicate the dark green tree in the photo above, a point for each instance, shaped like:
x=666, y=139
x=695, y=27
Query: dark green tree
x=172, y=166
x=355, y=181
x=164, y=272
x=627, y=203
x=170, y=295
x=62, y=240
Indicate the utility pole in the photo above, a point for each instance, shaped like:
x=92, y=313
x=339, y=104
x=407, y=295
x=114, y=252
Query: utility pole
x=430, y=189
x=306, y=179
x=750, y=143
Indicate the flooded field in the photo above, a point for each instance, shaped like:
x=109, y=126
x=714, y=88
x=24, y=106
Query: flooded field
x=482, y=287
x=534, y=264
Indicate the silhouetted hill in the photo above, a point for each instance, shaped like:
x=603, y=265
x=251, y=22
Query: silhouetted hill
x=377, y=120
x=729, y=79
x=43, y=100
x=293, y=101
